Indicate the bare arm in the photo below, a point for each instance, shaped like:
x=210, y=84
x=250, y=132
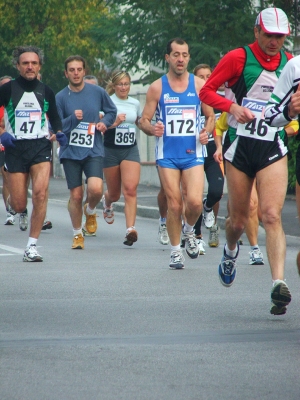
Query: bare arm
x=152, y=100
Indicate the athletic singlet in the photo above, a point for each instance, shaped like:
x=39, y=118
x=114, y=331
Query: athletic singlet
x=180, y=114
x=253, y=90
x=25, y=115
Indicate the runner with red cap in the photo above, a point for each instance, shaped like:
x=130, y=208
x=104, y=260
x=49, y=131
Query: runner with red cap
x=254, y=150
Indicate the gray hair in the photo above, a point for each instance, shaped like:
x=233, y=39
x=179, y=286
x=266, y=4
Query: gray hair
x=26, y=49
x=91, y=78
x=5, y=77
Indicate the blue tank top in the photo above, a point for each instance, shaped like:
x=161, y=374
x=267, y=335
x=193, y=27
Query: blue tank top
x=180, y=114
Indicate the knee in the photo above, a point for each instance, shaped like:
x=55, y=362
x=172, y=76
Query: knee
x=271, y=217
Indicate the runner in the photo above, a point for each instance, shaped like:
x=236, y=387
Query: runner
x=122, y=159
x=179, y=145
x=78, y=105
x=284, y=106
x=27, y=147
x=255, y=151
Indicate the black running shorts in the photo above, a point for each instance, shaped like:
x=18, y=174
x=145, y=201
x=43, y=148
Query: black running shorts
x=26, y=153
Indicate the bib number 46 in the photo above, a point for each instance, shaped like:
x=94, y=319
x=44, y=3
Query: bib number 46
x=261, y=129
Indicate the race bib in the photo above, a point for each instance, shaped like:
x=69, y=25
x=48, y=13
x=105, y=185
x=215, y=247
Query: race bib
x=257, y=128
x=82, y=135
x=180, y=120
x=27, y=123
x=125, y=135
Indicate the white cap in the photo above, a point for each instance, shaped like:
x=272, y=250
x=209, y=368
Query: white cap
x=273, y=20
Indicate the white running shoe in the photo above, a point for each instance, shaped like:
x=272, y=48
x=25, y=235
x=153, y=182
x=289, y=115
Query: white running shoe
x=256, y=257
x=213, y=240
x=163, y=236
x=23, y=221
x=31, y=254
x=176, y=260
x=10, y=219
x=208, y=216
x=191, y=244
x=201, y=245
x=108, y=212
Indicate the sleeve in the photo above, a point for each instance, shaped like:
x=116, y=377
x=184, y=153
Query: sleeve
x=276, y=111
x=228, y=70
x=52, y=112
x=69, y=122
x=110, y=110
x=221, y=124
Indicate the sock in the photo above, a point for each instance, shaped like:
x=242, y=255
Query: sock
x=175, y=248
x=187, y=227
x=31, y=241
x=231, y=253
x=162, y=221
x=90, y=211
x=77, y=231
x=131, y=228
x=255, y=247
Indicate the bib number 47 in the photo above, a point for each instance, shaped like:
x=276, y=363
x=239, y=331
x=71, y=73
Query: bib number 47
x=27, y=127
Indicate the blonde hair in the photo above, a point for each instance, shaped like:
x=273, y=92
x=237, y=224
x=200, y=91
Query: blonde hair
x=115, y=78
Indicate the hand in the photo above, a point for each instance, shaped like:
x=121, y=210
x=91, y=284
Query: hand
x=100, y=126
x=218, y=155
x=7, y=140
x=294, y=106
x=61, y=138
x=241, y=114
x=159, y=129
x=121, y=118
x=203, y=136
x=78, y=114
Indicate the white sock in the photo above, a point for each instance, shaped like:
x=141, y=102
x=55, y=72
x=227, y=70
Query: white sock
x=231, y=253
x=90, y=211
x=187, y=227
x=175, y=248
x=31, y=241
x=77, y=231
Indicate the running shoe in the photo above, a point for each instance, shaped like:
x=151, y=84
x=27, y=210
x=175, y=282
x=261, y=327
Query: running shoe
x=190, y=244
x=23, y=221
x=9, y=209
x=90, y=221
x=131, y=237
x=256, y=257
x=280, y=298
x=78, y=242
x=108, y=212
x=176, y=260
x=86, y=233
x=201, y=245
x=163, y=236
x=10, y=219
x=213, y=240
x=31, y=254
x=46, y=225
x=227, y=269
x=208, y=216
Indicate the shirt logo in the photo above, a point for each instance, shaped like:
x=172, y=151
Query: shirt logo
x=169, y=99
x=191, y=94
x=268, y=89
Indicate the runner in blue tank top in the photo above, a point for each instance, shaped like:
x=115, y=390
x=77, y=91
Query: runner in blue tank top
x=179, y=145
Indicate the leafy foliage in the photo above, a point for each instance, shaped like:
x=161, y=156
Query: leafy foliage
x=58, y=27
x=140, y=30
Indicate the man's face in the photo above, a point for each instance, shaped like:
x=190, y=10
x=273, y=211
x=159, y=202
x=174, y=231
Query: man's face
x=270, y=43
x=178, y=59
x=75, y=72
x=29, y=65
